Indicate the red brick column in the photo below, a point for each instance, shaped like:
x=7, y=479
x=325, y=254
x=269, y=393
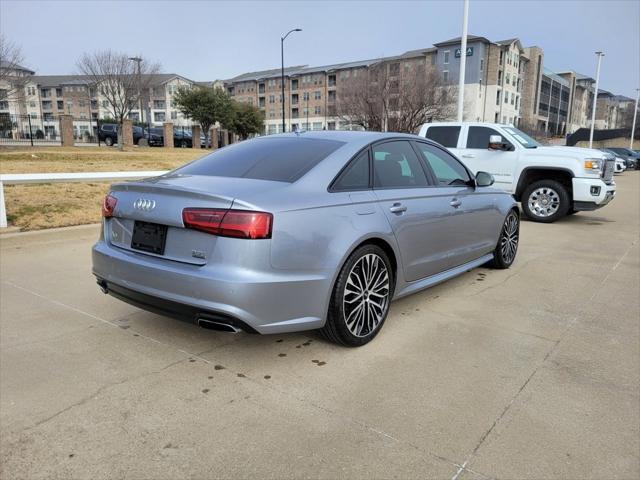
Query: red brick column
x=195, y=136
x=66, y=130
x=214, y=138
x=168, y=134
x=127, y=133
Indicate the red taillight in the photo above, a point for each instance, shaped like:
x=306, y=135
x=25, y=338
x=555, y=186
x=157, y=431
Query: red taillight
x=229, y=223
x=108, y=206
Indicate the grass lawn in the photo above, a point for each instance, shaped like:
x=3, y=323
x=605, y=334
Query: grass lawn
x=37, y=206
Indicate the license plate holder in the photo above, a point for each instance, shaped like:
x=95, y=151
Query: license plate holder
x=149, y=237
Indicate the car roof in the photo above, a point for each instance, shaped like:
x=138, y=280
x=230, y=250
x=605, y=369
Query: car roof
x=472, y=124
x=346, y=136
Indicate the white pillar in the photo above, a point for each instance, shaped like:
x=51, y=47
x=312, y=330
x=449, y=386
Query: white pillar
x=3, y=209
x=595, y=98
x=463, y=60
x=633, y=127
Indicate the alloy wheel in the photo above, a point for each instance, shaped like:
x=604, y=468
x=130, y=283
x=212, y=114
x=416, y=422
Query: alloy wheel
x=366, y=295
x=509, y=238
x=544, y=202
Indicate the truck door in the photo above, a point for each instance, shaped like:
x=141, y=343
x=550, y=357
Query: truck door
x=478, y=157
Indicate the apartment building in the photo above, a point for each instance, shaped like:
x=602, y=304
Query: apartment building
x=505, y=82
x=42, y=98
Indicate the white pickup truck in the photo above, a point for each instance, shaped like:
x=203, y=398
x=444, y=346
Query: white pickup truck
x=550, y=182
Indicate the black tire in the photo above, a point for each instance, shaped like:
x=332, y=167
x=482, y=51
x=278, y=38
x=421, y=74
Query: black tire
x=554, y=193
x=507, y=248
x=108, y=141
x=336, y=328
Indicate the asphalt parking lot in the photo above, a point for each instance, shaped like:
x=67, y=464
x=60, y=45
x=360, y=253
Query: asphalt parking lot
x=531, y=372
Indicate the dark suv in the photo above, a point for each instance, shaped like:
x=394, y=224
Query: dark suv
x=108, y=133
x=180, y=138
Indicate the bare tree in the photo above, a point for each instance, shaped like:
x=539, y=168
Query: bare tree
x=383, y=98
x=13, y=76
x=117, y=78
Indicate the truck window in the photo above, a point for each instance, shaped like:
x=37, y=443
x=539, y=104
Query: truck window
x=445, y=136
x=478, y=137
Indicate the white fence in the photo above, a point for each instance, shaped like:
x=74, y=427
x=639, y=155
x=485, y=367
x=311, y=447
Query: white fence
x=20, y=178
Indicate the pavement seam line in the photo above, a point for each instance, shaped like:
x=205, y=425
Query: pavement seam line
x=553, y=348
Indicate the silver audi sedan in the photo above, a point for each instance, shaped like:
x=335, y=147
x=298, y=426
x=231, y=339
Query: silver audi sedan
x=315, y=230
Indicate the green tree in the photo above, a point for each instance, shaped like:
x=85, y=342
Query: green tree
x=206, y=106
x=246, y=120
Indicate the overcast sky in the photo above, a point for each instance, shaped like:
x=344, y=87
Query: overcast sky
x=217, y=40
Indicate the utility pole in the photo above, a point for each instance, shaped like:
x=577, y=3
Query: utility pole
x=138, y=60
x=463, y=60
x=282, y=39
x=635, y=114
x=595, y=98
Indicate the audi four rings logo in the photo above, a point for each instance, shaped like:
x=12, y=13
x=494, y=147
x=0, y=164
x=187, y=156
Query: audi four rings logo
x=144, y=204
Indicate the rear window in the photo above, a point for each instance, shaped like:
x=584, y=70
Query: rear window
x=279, y=159
x=445, y=136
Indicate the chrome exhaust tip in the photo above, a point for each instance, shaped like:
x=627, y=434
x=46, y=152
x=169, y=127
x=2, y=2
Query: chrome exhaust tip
x=218, y=326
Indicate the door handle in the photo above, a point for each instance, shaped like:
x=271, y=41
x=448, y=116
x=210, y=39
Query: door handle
x=468, y=155
x=455, y=203
x=398, y=208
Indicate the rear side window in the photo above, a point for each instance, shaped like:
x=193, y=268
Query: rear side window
x=356, y=175
x=395, y=165
x=445, y=136
x=279, y=159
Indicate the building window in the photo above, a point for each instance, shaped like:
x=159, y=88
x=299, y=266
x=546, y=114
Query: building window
x=317, y=125
x=318, y=110
x=501, y=57
x=482, y=64
x=332, y=80
x=499, y=77
x=174, y=115
x=272, y=99
x=294, y=84
x=159, y=104
x=60, y=104
x=317, y=95
x=498, y=98
x=331, y=126
x=480, y=88
x=445, y=76
x=513, y=98
x=305, y=96
x=446, y=57
x=506, y=97
x=508, y=78
x=332, y=96
x=159, y=117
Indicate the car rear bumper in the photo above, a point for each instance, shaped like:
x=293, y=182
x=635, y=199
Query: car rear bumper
x=263, y=302
x=591, y=194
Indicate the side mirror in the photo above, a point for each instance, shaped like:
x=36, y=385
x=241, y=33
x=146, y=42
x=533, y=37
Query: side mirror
x=495, y=142
x=484, y=179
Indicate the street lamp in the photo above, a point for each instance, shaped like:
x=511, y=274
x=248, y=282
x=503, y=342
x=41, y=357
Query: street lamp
x=595, y=98
x=635, y=114
x=138, y=60
x=282, y=39
x=463, y=59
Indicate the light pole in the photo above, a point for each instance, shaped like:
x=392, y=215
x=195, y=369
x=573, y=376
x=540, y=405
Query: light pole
x=282, y=39
x=595, y=98
x=635, y=114
x=463, y=60
x=138, y=60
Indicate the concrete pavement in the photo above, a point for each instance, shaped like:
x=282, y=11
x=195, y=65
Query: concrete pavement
x=531, y=372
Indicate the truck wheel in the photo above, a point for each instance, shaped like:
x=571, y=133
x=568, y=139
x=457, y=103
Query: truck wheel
x=108, y=141
x=545, y=201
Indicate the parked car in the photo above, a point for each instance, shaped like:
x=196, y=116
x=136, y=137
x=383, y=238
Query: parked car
x=631, y=157
x=155, y=137
x=550, y=182
x=108, y=133
x=317, y=230
x=621, y=164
